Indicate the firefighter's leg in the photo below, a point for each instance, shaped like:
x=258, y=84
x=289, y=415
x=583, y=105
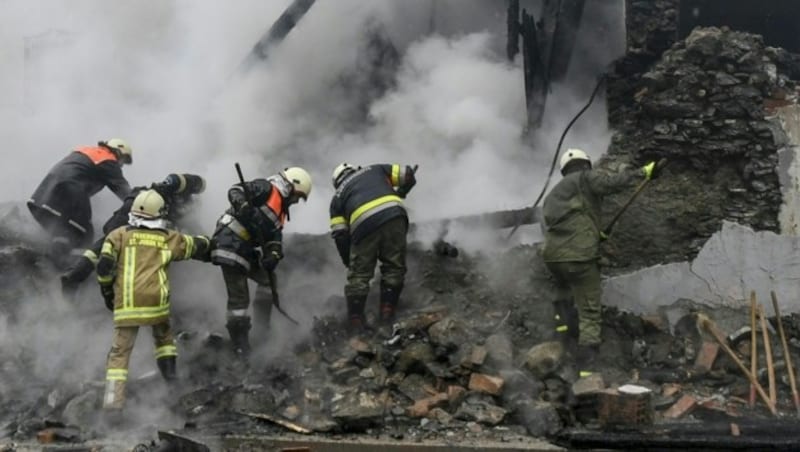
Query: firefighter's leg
x=238, y=320
x=262, y=304
x=166, y=352
x=392, y=255
x=117, y=366
x=564, y=313
x=363, y=257
x=80, y=269
x=586, y=290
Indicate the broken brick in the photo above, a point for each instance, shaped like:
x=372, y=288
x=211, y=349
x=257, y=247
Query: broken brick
x=476, y=357
x=486, y=383
x=670, y=389
x=706, y=356
x=735, y=429
x=361, y=347
x=422, y=407
x=682, y=407
x=455, y=393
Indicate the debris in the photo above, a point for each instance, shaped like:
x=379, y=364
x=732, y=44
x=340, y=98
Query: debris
x=683, y=406
x=481, y=412
x=500, y=351
x=735, y=429
x=628, y=405
x=358, y=411
x=422, y=407
x=475, y=358
x=181, y=443
x=588, y=384
x=486, y=383
x=545, y=358
x=707, y=355
x=283, y=423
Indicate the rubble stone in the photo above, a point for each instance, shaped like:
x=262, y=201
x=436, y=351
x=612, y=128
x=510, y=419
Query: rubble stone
x=449, y=332
x=500, y=351
x=589, y=384
x=357, y=411
x=488, y=384
x=421, y=407
x=414, y=357
x=545, y=358
x=540, y=419
x=412, y=387
x=81, y=409
x=481, y=412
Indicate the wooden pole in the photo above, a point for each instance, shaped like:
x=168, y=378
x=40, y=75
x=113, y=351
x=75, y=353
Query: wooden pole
x=753, y=346
x=786, y=354
x=773, y=396
x=709, y=325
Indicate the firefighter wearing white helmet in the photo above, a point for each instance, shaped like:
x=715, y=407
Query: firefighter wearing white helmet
x=134, y=282
x=248, y=240
x=369, y=224
x=61, y=202
x=571, y=251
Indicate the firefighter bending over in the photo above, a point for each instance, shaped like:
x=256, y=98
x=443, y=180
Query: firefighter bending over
x=248, y=244
x=369, y=224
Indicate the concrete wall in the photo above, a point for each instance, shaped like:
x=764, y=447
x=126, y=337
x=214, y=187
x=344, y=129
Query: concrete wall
x=789, y=169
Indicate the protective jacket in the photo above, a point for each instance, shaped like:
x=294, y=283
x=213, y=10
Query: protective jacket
x=135, y=260
x=572, y=213
x=67, y=188
x=366, y=199
x=242, y=231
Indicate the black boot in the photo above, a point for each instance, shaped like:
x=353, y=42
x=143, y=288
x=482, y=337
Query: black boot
x=239, y=330
x=167, y=366
x=567, y=325
x=355, y=312
x=75, y=275
x=390, y=296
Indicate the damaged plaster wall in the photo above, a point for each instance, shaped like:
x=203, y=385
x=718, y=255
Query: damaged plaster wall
x=788, y=117
x=733, y=262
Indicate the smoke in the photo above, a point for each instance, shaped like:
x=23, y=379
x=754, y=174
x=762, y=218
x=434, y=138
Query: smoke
x=163, y=75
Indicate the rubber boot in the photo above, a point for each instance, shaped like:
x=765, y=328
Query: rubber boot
x=355, y=313
x=168, y=367
x=390, y=296
x=75, y=275
x=262, y=313
x=239, y=330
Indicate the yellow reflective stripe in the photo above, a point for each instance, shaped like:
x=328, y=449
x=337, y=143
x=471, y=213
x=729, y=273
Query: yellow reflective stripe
x=91, y=255
x=117, y=374
x=105, y=280
x=166, y=350
x=141, y=313
x=128, y=278
x=162, y=277
x=189, y=246
x=395, y=175
x=108, y=248
x=337, y=220
x=562, y=328
x=374, y=203
x=584, y=373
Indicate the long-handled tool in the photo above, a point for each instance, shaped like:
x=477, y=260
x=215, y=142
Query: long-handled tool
x=709, y=325
x=753, y=346
x=273, y=284
x=786, y=355
x=773, y=396
x=607, y=230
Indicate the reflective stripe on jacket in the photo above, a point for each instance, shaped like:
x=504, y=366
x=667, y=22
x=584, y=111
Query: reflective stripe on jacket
x=367, y=199
x=141, y=285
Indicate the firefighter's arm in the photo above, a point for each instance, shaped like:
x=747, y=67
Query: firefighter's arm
x=340, y=231
x=604, y=183
x=115, y=181
x=401, y=177
x=272, y=251
x=185, y=246
x=106, y=266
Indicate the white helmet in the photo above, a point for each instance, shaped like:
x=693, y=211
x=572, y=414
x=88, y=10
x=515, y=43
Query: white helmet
x=148, y=204
x=125, y=151
x=340, y=171
x=573, y=154
x=300, y=180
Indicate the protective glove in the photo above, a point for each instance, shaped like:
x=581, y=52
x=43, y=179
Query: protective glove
x=273, y=253
x=108, y=296
x=245, y=211
x=653, y=169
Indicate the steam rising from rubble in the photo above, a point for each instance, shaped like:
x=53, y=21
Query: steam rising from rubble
x=161, y=75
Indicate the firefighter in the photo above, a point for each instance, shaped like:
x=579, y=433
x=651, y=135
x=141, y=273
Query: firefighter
x=61, y=203
x=178, y=191
x=572, y=246
x=132, y=272
x=248, y=243
x=369, y=224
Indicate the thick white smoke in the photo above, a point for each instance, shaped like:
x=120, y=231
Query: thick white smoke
x=163, y=75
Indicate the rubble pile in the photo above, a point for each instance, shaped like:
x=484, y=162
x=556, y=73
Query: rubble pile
x=706, y=107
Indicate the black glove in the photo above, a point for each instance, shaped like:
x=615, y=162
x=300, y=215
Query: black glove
x=245, y=211
x=273, y=253
x=108, y=296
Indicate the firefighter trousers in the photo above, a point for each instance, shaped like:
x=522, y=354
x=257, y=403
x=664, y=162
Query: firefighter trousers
x=580, y=282
x=239, y=293
x=386, y=244
x=119, y=356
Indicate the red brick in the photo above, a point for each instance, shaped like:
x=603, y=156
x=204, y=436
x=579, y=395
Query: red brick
x=486, y=383
x=455, y=393
x=707, y=355
x=669, y=389
x=421, y=407
x=682, y=407
x=735, y=429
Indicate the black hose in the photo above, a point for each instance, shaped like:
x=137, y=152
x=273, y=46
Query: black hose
x=558, y=149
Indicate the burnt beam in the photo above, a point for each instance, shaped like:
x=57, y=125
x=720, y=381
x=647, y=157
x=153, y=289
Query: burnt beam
x=277, y=32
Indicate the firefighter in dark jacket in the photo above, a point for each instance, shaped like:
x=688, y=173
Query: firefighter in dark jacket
x=248, y=242
x=572, y=245
x=132, y=272
x=61, y=201
x=369, y=224
x=178, y=191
